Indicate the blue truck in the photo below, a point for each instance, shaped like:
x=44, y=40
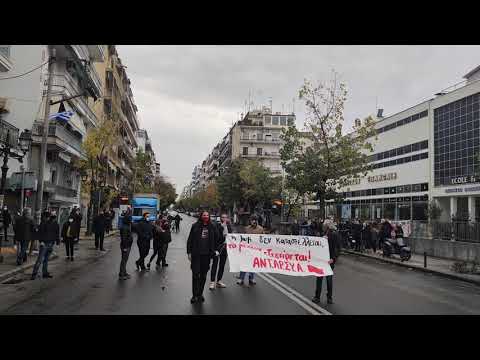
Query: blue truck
x=142, y=203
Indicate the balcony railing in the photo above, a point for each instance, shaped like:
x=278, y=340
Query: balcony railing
x=260, y=140
x=70, y=88
x=5, y=62
x=67, y=140
x=265, y=155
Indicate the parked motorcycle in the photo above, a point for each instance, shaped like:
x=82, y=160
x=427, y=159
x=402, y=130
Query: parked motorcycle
x=396, y=246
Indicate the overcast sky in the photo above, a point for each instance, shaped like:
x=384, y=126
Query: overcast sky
x=188, y=96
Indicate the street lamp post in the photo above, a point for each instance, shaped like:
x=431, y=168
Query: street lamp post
x=8, y=151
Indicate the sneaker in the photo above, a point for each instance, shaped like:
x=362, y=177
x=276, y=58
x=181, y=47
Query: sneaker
x=316, y=300
x=221, y=285
x=33, y=277
x=240, y=282
x=103, y=250
x=71, y=258
x=158, y=267
x=252, y=282
x=212, y=286
x=67, y=257
x=164, y=265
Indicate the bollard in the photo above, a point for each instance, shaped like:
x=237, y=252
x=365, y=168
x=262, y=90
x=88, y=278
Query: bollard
x=425, y=259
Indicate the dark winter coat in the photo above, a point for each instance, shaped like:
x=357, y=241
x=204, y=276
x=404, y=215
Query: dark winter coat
x=386, y=230
x=126, y=239
x=49, y=231
x=7, y=218
x=77, y=221
x=221, y=238
x=165, y=236
x=99, y=223
x=24, y=229
x=332, y=244
x=195, y=236
x=144, y=230
x=65, y=228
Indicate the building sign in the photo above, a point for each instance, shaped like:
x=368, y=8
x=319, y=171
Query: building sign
x=464, y=180
x=384, y=177
x=475, y=188
x=453, y=190
x=354, y=181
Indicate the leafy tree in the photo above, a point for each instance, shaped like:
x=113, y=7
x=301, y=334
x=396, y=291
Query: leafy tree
x=143, y=176
x=166, y=191
x=249, y=184
x=325, y=159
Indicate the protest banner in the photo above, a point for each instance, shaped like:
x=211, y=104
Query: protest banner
x=281, y=254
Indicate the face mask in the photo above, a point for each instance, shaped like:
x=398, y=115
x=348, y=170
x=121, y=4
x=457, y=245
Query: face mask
x=205, y=218
x=70, y=220
x=5, y=208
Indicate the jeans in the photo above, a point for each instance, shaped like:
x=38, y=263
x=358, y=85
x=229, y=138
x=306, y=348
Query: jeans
x=99, y=237
x=143, y=249
x=250, y=275
x=123, y=262
x=220, y=262
x=43, y=255
x=69, y=246
x=319, y=282
x=163, y=253
x=22, y=247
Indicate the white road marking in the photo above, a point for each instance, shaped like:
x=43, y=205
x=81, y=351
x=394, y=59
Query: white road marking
x=293, y=295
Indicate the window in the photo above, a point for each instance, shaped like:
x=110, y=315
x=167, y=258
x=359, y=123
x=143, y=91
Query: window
x=268, y=120
x=259, y=151
x=283, y=120
x=291, y=121
x=245, y=151
x=274, y=120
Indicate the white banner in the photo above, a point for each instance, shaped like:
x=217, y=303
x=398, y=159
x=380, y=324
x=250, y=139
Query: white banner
x=281, y=254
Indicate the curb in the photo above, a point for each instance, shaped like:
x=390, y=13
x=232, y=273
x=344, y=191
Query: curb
x=427, y=270
x=9, y=274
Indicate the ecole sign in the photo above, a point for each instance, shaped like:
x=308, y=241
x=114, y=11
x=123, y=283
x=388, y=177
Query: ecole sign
x=384, y=177
x=464, y=180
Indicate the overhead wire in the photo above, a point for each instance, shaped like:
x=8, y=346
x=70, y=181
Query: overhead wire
x=28, y=72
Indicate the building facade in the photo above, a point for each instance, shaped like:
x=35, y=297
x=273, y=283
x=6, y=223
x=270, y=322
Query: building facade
x=74, y=78
x=427, y=152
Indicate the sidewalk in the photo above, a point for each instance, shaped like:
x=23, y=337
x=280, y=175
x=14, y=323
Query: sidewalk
x=9, y=267
x=441, y=267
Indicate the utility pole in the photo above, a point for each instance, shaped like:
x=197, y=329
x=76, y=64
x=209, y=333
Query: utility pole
x=22, y=199
x=43, y=152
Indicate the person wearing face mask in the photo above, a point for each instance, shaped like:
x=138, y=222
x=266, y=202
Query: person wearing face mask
x=49, y=234
x=7, y=220
x=68, y=235
x=224, y=228
x=200, y=249
x=24, y=234
x=253, y=228
x=125, y=243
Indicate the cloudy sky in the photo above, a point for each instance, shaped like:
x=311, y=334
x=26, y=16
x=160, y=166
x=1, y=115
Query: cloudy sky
x=188, y=96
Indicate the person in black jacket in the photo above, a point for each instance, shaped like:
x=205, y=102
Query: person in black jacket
x=49, y=234
x=126, y=242
x=200, y=249
x=161, y=238
x=99, y=226
x=332, y=248
x=145, y=233
x=7, y=220
x=220, y=257
x=68, y=237
x=24, y=229
x=77, y=223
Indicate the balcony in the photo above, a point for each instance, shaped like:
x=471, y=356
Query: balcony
x=5, y=62
x=61, y=193
x=97, y=52
x=264, y=140
x=263, y=156
x=70, y=88
x=59, y=139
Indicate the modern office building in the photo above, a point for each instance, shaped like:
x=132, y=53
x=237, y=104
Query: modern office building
x=427, y=152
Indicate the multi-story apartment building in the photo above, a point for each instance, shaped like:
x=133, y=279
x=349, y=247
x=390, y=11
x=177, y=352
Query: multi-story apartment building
x=75, y=79
x=118, y=105
x=257, y=136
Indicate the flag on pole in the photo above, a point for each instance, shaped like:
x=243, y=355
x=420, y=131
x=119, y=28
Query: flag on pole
x=62, y=115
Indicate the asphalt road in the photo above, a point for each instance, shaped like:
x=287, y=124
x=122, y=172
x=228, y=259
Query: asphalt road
x=361, y=286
